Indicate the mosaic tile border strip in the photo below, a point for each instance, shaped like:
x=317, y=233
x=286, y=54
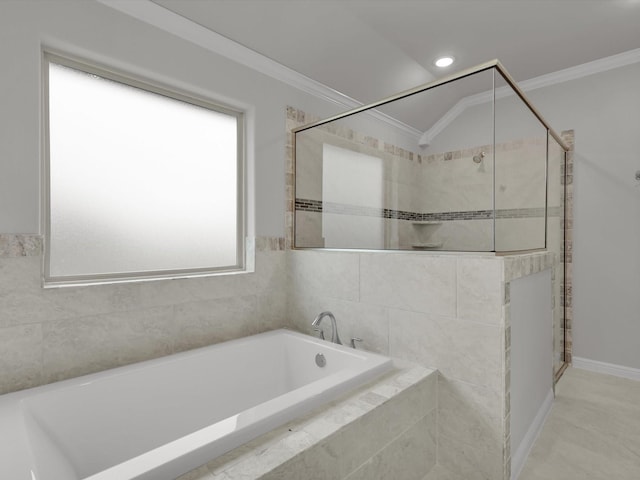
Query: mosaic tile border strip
x=20, y=245
x=566, y=261
x=30, y=245
x=270, y=244
x=318, y=206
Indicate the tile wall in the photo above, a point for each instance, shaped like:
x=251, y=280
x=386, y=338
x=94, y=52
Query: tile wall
x=57, y=333
x=449, y=312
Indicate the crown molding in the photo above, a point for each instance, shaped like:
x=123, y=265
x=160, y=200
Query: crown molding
x=158, y=16
x=164, y=19
x=590, y=68
x=561, y=76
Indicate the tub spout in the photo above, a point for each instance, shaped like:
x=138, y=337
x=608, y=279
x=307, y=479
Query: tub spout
x=334, y=327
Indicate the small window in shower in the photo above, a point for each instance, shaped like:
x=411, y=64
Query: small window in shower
x=140, y=181
x=353, y=199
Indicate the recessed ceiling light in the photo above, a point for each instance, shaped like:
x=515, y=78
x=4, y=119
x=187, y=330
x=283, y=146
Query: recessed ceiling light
x=444, y=62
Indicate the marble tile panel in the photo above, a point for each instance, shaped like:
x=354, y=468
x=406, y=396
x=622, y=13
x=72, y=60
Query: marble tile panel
x=90, y=344
x=271, y=271
x=375, y=429
x=314, y=464
x=469, y=413
x=27, y=307
x=409, y=456
x=421, y=283
x=469, y=462
x=206, y=322
x=181, y=290
x=80, y=301
x=20, y=273
x=34, y=304
x=20, y=357
x=334, y=419
x=440, y=473
x=323, y=273
x=415, y=337
x=479, y=289
x=271, y=310
x=459, y=349
x=233, y=460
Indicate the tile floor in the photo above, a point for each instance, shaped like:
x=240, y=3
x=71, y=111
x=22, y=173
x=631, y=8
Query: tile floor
x=592, y=433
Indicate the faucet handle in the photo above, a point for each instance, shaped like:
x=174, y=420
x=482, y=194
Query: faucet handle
x=319, y=331
x=354, y=340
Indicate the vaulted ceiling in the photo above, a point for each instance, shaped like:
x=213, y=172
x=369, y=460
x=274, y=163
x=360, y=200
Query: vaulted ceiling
x=370, y=49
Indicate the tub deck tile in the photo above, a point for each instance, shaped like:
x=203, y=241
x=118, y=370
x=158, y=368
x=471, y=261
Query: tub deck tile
x=313, y=447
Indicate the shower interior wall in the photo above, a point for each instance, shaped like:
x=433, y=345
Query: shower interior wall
x=447, y=186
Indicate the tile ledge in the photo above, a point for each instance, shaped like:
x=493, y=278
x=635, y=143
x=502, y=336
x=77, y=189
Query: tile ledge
x=260, y=456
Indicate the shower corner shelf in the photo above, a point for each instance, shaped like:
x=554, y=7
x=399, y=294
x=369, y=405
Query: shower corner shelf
x=426, y=223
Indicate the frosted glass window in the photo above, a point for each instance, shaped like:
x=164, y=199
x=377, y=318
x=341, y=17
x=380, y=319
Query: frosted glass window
x=139, y=183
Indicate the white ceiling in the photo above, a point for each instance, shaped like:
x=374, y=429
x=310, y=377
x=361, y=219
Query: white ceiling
x=371, y=49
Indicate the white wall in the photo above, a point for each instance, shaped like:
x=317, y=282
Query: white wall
x=531, y=355
x=604, y=111
x=100, y=33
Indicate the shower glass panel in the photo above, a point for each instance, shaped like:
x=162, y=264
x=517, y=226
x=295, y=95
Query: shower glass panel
x=556, y=243
x=520, y=173
x=456, y=165
x=397, y=177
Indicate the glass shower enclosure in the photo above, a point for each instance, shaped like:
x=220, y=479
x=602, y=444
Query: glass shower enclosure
x=462, y=164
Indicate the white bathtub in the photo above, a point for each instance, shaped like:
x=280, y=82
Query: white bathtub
x=161, y=418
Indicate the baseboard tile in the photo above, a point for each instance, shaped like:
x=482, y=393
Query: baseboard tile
x=519, y=458
x=608, y=368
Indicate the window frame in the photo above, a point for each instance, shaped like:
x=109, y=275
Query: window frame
x=145, y=84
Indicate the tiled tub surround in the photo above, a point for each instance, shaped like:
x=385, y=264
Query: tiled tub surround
x=54, y=334
x=384, y=430
x=449, y=312
x=156, y=420
x=446, y=187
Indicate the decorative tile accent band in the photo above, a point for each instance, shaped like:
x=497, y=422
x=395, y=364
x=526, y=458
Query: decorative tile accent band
x=269, y=244
x=567, y=259
x=20, y=245
x=30, y=245
x=307, y=205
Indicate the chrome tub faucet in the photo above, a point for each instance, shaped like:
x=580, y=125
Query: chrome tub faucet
x=334, y=327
